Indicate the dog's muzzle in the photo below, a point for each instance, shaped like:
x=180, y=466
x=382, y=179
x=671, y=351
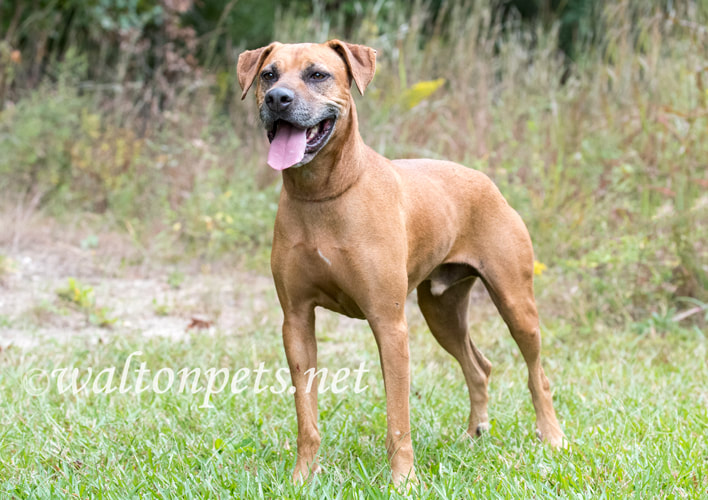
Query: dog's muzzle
x=295, y=135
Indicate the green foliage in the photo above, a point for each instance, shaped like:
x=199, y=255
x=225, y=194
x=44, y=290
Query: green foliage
x=161, y=308
x=34, y=138
x=77, y=294
x=229, y=24
x=116, y=16
x=83, y=298
x=175, y=279
x=222, y=220
x=61, y=152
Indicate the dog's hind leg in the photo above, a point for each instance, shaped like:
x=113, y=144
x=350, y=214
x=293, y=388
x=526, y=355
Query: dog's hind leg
x=509, y=281
x=446, y=315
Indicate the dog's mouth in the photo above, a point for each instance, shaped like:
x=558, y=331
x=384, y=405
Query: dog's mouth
x=290, y=144
x=315, y=137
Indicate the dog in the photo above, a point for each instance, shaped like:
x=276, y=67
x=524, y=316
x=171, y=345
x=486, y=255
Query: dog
x=356, y=233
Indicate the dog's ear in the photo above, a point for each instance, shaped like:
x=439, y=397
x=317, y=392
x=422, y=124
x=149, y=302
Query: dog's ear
x=360, y=59
x=249, y=64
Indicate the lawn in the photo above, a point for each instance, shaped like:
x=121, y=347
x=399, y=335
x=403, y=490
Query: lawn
x=634, y=406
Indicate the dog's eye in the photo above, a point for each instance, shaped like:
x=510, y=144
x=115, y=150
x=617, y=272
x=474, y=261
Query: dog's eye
x=268, y=76
x=317, y=75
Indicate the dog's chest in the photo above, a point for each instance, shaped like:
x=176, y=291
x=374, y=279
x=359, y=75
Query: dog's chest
x=327, y=273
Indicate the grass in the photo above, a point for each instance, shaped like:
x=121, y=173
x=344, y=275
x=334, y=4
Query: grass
x=607, y=169
x=634, y=408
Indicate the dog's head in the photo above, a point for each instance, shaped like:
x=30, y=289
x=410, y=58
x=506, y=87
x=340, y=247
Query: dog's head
x=302, y=90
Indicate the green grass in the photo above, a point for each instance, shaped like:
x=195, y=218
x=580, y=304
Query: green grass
x=634, y=408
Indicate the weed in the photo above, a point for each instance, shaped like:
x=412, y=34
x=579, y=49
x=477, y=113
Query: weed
x=175, y=279
x=90, y=242
x=161, y=308
x=82, y=297
x=45, y=312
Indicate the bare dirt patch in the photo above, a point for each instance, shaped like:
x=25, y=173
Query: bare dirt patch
x=141, y=294
x=149, y=298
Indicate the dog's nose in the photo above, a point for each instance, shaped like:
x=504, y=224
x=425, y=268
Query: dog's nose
x=279, y=98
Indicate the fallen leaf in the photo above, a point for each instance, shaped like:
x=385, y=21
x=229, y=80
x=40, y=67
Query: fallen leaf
x=200, y=323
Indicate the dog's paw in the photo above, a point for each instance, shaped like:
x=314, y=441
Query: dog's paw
x=473, y=433
x=404, y=482
x=301, y=474
x=482, y=429
x=555, y=439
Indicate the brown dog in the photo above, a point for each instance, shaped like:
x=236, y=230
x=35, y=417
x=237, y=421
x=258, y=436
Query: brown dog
x=356, y=233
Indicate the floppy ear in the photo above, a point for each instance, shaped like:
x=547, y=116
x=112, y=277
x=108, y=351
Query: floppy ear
x=249, y=63
x=360, y=59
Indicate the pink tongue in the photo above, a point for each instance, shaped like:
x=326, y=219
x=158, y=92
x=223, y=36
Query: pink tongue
x=287, y=147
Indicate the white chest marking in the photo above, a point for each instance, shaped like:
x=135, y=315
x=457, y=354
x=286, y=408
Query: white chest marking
x=327, y=261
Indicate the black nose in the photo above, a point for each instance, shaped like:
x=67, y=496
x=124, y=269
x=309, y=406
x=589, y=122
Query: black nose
x=279, y=98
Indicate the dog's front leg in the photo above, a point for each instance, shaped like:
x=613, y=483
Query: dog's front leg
x=392, y=339
x=301, y=350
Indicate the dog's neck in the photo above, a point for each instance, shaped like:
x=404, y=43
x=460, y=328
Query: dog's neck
x=335, y=169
